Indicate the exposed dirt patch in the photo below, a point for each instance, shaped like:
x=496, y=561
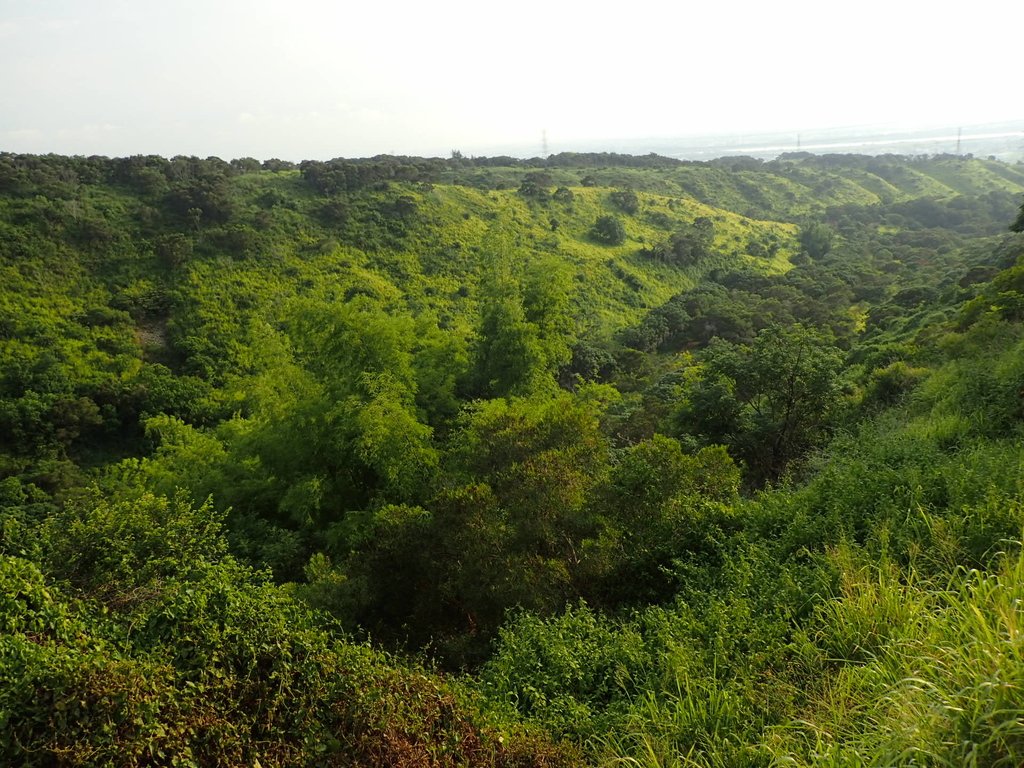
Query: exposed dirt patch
x=152, y=336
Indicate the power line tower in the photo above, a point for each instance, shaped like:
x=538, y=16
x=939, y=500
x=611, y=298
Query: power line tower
x=959, y=131
x=544, y=142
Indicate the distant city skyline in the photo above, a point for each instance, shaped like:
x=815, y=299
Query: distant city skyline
x=317, y=79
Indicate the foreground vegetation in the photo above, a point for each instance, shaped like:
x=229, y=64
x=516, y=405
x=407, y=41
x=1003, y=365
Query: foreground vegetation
x=587, y=460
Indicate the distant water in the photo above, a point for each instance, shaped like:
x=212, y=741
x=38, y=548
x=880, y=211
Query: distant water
x=1002, y=140
x=1007, y=145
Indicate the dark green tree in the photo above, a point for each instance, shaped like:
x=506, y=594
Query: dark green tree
x=625, y=200
x=816, y=239
x=769, y=402
x=563, y=195
x=536, y=185
x=608, y=230
x=1018, y=224
x=686, y=246
x=658, y=506
x=509, y=358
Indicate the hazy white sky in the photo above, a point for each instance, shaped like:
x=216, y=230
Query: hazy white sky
x=319, y=79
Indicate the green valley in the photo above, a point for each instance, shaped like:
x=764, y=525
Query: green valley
x=594, y=459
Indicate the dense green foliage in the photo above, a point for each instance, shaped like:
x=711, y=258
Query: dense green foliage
x=592, y=459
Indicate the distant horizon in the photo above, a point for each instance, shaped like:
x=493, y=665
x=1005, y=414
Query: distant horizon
x=879, y=134
x=703, y=146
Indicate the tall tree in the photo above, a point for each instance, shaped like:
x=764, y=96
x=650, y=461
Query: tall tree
x=768, y=401
x=1018, y=224
x=509, y=357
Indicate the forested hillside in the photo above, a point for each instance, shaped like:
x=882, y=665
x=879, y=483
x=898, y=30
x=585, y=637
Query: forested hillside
x=585, y=460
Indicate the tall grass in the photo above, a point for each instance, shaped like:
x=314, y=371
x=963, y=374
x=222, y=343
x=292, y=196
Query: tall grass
x=700, y=723
x=941, y=685
x=902, y=669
